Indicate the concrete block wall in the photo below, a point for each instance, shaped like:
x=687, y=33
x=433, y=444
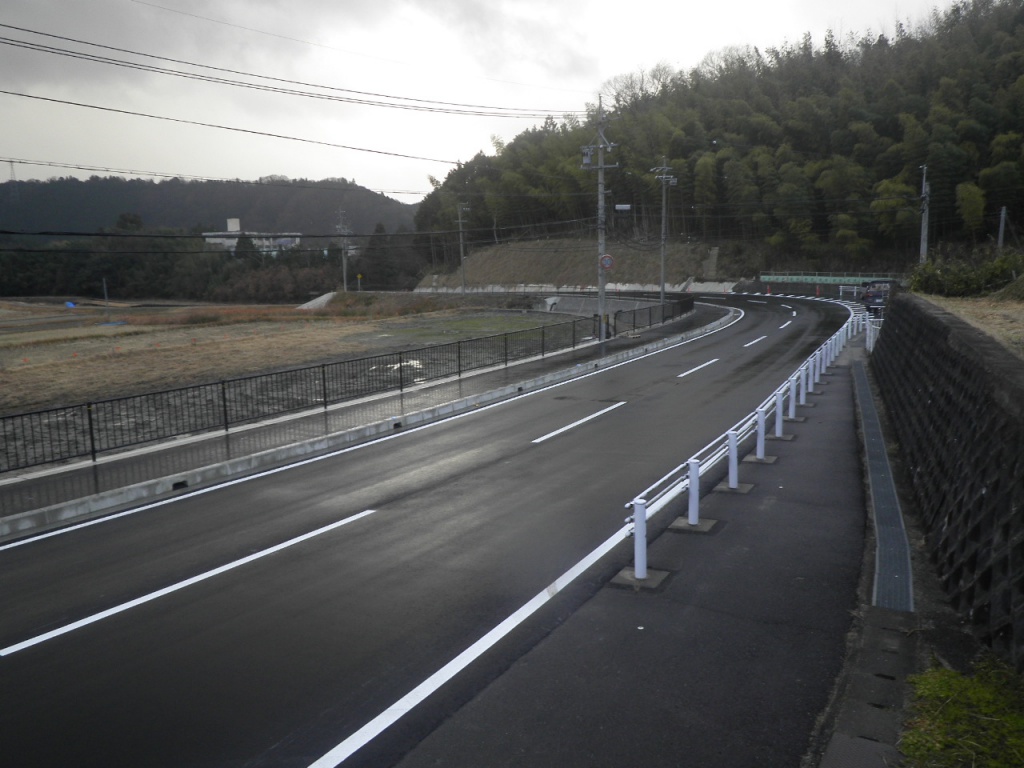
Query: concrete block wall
x=955, y=399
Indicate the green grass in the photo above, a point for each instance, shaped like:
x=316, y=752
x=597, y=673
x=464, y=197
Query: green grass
x=966, y=720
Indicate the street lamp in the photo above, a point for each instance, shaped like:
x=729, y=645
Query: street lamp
x=666, y=182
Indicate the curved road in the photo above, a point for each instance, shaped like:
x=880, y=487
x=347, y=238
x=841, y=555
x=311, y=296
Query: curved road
x=308, y=614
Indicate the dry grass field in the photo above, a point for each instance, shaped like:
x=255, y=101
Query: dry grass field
x=53, y=355
x=1003, y=319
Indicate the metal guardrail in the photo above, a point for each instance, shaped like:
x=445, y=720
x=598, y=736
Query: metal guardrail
x=794, y=390
x=92, y=428
x=827, y=278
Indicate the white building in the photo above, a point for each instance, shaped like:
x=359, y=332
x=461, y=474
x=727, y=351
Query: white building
x=263, y=241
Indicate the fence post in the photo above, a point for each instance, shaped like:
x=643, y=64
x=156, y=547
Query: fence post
x=323, y=382
x=92, y=432
x=505, y=339
x=792, y=396
x=401, y=372
x=224, y=403
x=778, y=413
x=693, y=517
x=640, y=539
x=803, y=384
x=761, y=415
x=734, y=472
x=542, y=341
x=458, y=357
x=812, y=372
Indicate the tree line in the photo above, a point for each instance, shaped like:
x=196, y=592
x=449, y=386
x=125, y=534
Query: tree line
x=128, y=262
x=811, y=153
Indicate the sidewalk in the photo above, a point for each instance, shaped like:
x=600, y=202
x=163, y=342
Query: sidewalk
x=733, y=661
x=37, y=499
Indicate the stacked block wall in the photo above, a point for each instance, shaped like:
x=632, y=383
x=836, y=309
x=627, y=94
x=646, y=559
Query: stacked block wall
x=955, y=399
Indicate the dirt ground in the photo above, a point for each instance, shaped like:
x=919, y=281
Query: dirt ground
x=53, y=355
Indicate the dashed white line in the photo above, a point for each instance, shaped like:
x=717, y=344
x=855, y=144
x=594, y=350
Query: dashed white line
x=577, y=423
x=788, y=322
x=752, y=343
x=178, y=586
x=694, y=370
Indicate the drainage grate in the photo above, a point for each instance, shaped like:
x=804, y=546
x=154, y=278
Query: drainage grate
x=894, y=584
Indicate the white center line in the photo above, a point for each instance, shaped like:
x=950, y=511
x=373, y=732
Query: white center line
x=577, y=423
x=694, y=370
x=752, y=343
x=788, y=322
x=175, y=587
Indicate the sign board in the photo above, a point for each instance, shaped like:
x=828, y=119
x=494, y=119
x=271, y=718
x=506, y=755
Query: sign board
x=607, y=262
x=623, y=207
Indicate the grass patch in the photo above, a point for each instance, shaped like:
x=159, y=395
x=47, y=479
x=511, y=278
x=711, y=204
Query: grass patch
x=966, y=720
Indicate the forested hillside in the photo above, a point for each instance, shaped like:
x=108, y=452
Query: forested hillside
x=814, y=155
x=138, y=237
x=273, y=204
x=803, y=156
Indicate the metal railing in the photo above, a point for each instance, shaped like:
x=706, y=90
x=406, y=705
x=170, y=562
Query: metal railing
x=89, y=429
x=686, y=476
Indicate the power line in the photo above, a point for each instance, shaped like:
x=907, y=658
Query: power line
x=228, y=128
x=364, y=97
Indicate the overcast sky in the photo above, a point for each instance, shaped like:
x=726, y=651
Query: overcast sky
x=532, y=56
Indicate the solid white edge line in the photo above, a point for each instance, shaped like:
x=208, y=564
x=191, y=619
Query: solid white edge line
x=584, y=420
x=177, y=586
x=752, y=343
x=360, y=446
x=694, y=370
x=417, y=695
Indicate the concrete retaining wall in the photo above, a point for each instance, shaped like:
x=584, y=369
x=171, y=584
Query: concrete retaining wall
x=955, y=398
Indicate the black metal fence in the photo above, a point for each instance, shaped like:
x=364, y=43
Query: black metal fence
x=89, y=429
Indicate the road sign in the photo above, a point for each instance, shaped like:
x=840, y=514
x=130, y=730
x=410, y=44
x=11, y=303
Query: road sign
x=607, y=262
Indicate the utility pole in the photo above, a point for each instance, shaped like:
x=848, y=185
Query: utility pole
x=666, y=182
x=588, y=153
x=1002, y=226
x=462, y=249
x=924, y=214
x=343, y=230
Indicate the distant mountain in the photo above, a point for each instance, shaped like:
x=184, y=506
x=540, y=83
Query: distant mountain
x=274, y=204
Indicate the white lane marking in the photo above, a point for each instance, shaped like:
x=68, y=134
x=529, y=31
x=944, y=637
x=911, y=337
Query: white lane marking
x=178, y=586
x=360, y=446
x=752, y=343
x=794, y=313
x=756, y=301
x=694, y=370
x=787, y=307
x=788, y=322
x=577, y=423
x=417, y=695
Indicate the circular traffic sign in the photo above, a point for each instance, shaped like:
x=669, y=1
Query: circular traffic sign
x=607, y=262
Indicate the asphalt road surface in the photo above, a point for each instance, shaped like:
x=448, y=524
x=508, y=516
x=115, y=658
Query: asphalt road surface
x=340, y=609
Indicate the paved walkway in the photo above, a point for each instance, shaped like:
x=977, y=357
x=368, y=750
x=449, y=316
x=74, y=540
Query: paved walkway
x=32, y=500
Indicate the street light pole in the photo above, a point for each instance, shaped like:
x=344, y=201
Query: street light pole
x=666, y=181
x=462, y=250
